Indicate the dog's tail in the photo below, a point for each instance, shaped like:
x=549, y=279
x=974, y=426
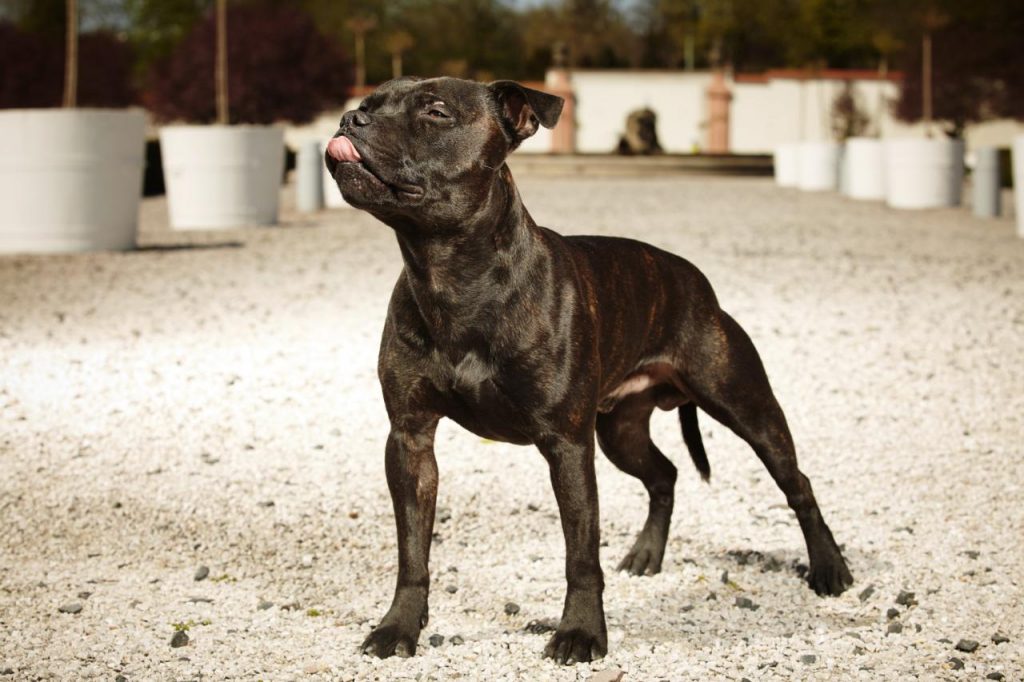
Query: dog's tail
x=691, y=436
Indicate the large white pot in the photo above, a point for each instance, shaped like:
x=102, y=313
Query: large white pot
x=864, y=168
x=222, y=176
x=924, y=172
x=787, y=165
x=332, y=195
x=70, y=179
x=819, y=166
x=1018, y=182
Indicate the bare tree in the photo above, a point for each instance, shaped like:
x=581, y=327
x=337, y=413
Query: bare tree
x=71, y=56
x=397, y=43
x=360, y=26
x=221, y=68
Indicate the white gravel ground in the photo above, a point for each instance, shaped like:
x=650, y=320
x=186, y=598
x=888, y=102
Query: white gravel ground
x=169, y=409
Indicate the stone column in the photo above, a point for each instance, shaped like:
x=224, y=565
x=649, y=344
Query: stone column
x=563, y=137
x=719, y=98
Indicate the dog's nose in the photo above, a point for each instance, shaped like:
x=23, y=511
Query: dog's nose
x=355, y=118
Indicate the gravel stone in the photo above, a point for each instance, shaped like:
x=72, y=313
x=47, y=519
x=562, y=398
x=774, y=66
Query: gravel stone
x=866, y=593
x=968, y=646
x=905, y=598
x=995, y=676
x=436, y=640
x=179, y=639
x=1000, y=638
x=263, y=605
x=73, y=608
x=202, y=573
x=955, y=663
x=511, y=608
x=808, y=659
x=257, y=343
x=895, y=628
x=541, y=626
x=745, y=603
x=456, y=640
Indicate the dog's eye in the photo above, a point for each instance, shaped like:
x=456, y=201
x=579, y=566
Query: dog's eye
x=436, y=110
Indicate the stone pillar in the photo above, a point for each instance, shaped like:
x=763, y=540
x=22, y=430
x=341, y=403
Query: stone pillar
x=987, y=185
x=718, y=114
x=309, y=186
x=563, y=137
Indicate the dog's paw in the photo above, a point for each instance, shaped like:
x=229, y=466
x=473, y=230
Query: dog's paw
x=641, y=562
x=576, y=646
x=829, y=579
x=390, y=640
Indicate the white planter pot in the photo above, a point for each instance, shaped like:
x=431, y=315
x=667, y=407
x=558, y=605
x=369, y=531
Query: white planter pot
x=819, y=166
x=70, y=179
x=332, y=195
x=923, y=173
x=787, y=165
x=222, y=176
x=864, y=168
x=1018, y=182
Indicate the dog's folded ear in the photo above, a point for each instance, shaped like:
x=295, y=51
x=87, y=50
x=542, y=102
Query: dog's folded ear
x=522, y=109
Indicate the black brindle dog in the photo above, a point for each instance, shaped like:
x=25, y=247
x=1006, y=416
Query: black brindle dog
x=524, y=336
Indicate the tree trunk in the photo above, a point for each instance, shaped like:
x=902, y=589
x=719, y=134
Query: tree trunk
x=926, y=82
x=71, y=56
x=221, y=71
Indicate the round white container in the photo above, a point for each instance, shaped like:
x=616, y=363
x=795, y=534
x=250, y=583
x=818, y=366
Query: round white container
x=819, y=166
x=332, y=195
x=222, y=176
x=924, y=172
x=864, y=168
x=787, y=165
x=1018, y=182
x=70, y=179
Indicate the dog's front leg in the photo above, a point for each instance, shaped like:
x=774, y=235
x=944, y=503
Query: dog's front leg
x=412, y=480
x=581, y=635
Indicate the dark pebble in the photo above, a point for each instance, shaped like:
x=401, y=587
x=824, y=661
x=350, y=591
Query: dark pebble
x=436, y=640
x=451, y=589
x=179, y=639
x=808, y=659
x=905, y=598
x=968, y=646
x=895, y=628
x=539, y=627
x=532, y=507
x=511, y=608
x=955, y=663
x=1000, y=638
x=84, y=595
x=971, y=554
x=866, y=593
x=264, y=605
x=120, y=678
x=444, y=515
x=725, y=577
x=7, y=671
x=994, y=676
x=858, y=650
x=71, y=608
x=266, y=503
x=744, y=603
x=892, y=613
x=201, y=573
x=457, y=640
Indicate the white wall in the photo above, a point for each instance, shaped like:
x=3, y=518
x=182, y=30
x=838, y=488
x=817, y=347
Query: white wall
x=605, y=98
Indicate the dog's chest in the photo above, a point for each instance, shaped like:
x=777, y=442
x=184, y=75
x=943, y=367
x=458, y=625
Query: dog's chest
x=478, y=399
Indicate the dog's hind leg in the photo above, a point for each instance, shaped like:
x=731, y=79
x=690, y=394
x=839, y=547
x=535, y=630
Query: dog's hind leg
x=728, y=382
x=624, y=436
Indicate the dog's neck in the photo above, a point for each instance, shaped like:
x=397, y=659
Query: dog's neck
x=466, y=272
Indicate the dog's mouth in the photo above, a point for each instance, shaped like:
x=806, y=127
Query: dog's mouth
x=341, y=152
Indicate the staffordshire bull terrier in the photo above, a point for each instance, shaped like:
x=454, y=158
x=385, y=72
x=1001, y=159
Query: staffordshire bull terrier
x=524, y=336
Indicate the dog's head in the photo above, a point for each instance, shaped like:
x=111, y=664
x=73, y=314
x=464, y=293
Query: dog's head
x=431, y=148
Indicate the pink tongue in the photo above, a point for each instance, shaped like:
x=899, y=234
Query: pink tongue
x=341, y=149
